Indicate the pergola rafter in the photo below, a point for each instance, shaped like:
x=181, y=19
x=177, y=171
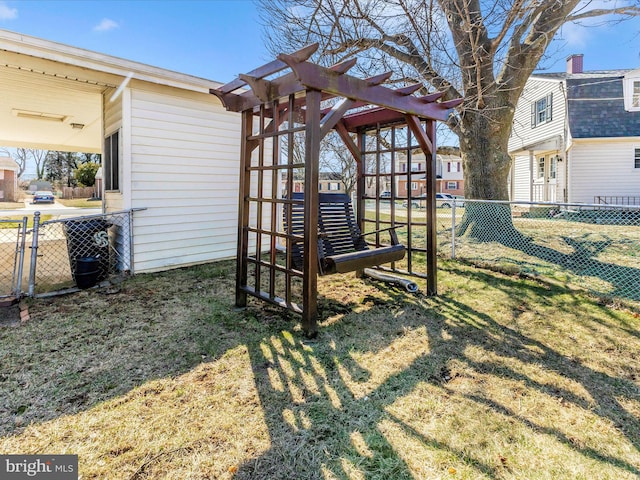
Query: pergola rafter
x=277, y=105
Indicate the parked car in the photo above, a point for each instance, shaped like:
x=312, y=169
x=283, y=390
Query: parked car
x=414, y=204
x=386, y=194
x=43, y=196
x=444, y=200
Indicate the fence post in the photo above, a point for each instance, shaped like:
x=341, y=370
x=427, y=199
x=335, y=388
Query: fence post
x=34, y=254
x=130, y=240
x=453, y=229
x=18, y=283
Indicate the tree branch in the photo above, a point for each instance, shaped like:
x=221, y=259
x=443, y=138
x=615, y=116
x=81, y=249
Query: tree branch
x=599, y=12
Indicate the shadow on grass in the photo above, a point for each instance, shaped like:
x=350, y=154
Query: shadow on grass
x=329, y=415
x=581, y=261
x=86, y=348
x=332, y=406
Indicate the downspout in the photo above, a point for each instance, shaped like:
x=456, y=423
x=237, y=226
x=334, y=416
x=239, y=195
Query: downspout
x=512, y=179
x=565, y=152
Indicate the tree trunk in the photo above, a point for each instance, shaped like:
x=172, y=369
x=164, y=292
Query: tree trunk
x=486, y=162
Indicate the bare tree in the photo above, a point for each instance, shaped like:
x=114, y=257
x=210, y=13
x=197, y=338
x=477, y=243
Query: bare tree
x=483, y=51
x=19, y=156
x=23, y=156
x=337, y=160
x=40, y=159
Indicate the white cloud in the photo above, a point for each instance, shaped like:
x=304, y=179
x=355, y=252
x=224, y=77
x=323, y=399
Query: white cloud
x=579, y=34
x=575, y=35
x=7, y=13
x=105, y=25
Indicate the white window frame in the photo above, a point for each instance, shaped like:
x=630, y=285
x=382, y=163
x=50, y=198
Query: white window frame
x=631, y=88
x=541, y=168
x=454, y=167
x=542, y=110
x=452, y=185
x=553, y=167
x=414, y=185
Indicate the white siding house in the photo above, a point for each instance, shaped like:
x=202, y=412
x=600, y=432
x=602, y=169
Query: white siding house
x=536, y=141
x=573, y=140
x=168, y=146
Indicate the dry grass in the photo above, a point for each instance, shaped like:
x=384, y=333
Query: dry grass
x=499, y=378
x=11, y=205
x=80, y=202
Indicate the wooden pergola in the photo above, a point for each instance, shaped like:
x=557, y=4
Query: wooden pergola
x=288, y=106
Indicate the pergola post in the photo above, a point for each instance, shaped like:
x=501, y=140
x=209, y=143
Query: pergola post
x=432, y=233
x=243, y=211
x=311, y=177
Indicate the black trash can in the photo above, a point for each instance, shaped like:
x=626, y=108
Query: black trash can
x=87, y=271
x=88, y=239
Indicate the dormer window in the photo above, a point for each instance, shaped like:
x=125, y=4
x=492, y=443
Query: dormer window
x=632, y=91
x=541, y=110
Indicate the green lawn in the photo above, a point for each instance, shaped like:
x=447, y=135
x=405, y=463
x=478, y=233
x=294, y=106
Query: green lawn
x=14, y=220
x=498, y=377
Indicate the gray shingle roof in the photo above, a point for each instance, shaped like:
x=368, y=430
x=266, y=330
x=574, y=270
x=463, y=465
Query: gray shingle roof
x=596, y=106
x=583, y=75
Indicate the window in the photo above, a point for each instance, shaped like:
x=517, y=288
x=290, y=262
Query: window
x=414, y=185
x=631, y=86
x=452, y=185
x=541, y=110
x=553, y=167
x=453, y=167
x=541, y=167
x=636, y=162
x=333, y=186
x=111, y=162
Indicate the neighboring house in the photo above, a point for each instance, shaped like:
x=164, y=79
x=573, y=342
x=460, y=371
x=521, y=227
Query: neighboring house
x=167, y=144
x=449, y=175
x=8, y=179
x=576, y=137
x=329, y=182
x=449, y=178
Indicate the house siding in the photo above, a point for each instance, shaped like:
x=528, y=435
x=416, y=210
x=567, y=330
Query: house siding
x=185, y=151
x=603, y=168
x=112, y=120
x=523, y=135
x=522, y=179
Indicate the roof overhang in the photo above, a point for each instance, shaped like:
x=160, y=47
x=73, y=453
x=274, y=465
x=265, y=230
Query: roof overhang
x=548, y=144
x=53, y=93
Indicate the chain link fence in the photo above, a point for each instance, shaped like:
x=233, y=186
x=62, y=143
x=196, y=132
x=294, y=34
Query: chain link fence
x=12, y=241
x=80, y=251
x=595, y=247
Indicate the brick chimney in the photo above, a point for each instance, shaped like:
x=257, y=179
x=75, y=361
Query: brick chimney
x=574, y=63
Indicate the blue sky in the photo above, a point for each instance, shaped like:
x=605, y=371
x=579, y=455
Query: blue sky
x=211, y=39
x=218, y=39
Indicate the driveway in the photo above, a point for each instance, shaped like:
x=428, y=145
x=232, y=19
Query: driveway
x=56, y=209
